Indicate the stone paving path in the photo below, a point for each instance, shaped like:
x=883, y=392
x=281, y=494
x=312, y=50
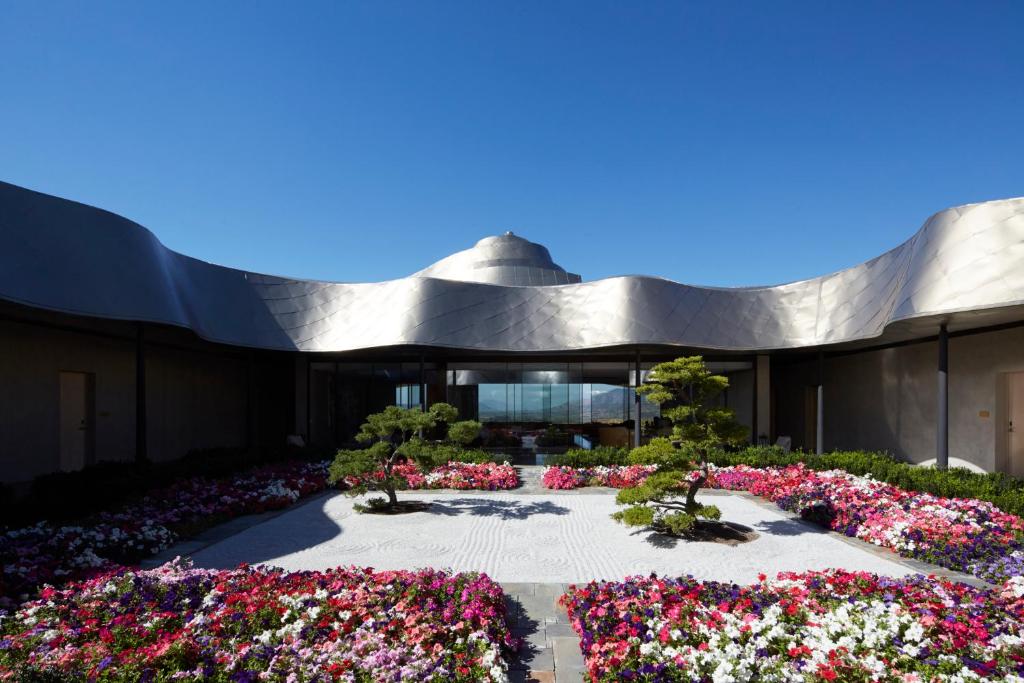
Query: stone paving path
x=551, y=649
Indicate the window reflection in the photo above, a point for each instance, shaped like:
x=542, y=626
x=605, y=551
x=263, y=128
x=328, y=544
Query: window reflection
x=552, y=393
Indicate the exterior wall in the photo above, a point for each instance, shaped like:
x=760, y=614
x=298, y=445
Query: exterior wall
x=740, y=398
x=197, y=393
x=886, y=399
x=763, y=389
x=194, y=400
x=31, y=359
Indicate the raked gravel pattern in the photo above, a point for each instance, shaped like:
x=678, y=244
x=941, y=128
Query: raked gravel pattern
x=550, y=538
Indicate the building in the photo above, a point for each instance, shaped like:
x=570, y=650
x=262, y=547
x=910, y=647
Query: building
x=113, y=347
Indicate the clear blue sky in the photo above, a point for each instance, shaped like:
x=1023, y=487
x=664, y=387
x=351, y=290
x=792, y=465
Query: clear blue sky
x=714, y=143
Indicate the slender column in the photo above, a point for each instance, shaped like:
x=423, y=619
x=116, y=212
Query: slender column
x=763, y=389
x=636, y=401
x=141, y=438
x=942, y=437
x=423, y=387
x=250, y=401
x=819, y=431
x=309, y=402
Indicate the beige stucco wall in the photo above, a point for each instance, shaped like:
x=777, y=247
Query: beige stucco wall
x=886, y=399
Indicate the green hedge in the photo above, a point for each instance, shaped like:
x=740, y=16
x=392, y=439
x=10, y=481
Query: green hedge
x=1004, y=491
x=432, y=454
x=600, y=456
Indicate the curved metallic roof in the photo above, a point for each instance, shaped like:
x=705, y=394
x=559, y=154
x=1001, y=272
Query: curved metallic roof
x=502, y=260
x=964, y=266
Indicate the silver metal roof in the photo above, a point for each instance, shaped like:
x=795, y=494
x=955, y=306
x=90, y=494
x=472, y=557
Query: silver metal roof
x=964, y=266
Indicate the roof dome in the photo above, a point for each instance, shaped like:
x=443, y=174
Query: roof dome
x=502, y=260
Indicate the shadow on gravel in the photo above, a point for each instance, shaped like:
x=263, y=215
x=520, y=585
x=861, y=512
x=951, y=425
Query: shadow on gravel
x=790, y=527
x=484, y=507
x=723, y=533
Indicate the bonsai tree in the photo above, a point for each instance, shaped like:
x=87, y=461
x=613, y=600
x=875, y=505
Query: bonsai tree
x=391, y=434
x=457, y=435
x=667, y=500
x=372, y=469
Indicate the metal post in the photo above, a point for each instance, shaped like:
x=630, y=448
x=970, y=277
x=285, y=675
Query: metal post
x=636, y=402
x=423, y=389
x=141, y=438
x=942, y=437
x=309, y=402
x=250, y=402
x=820, y=413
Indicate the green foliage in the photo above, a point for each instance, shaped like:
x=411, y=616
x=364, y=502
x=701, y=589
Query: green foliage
x=1004, y=491
x=661, y=452
x=388, y=431
x=444, y=412
x=638, y=515
x=688, y=393
x=600, y=456
x=358, y=465
x=429, y=454
x=464, y=432
x=395, y=436
x=395, y=424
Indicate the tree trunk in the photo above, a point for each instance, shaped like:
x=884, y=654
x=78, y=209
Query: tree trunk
x=389, y=487
x=695, y=486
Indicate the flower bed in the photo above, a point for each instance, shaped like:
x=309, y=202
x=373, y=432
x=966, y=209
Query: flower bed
x=251, y=624
x=814, y=626
x=615, y=476
x=960, y=533
x=486, y=476
x=45, y=553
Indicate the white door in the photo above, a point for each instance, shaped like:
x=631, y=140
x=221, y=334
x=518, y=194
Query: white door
x=1015, y=416
x=75, y=422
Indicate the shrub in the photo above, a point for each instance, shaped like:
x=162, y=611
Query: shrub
x=667, y=500
x=602, y=456
x=429, y=455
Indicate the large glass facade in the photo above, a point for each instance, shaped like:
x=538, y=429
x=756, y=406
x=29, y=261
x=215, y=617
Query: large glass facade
x=521, y=404
x=555, y=403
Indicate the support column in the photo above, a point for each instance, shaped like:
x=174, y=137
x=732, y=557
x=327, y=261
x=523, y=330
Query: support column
x=763, y=390
x=819, y=431
x=309, y=401
x=250, y=402
x=942, y=410
x=423, y=388
x=636, y=401
x=141, y=437
x=299, y=423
